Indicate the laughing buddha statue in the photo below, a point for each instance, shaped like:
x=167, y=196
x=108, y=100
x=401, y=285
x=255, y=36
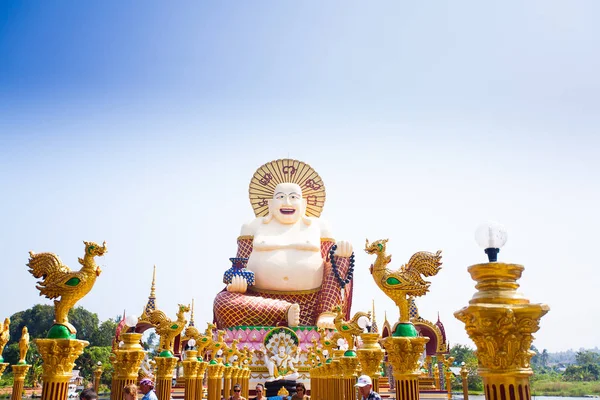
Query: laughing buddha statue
x=295, y=272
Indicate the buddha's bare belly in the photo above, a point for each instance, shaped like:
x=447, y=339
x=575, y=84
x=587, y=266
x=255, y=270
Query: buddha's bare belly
x=286, y=269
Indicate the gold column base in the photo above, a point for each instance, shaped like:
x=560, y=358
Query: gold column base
x=370, y=356
x=349, y=365
x=59, y=357
x=509, y=386
x=501, y=322
x=200, y=379
x=126, y=363
x=3, y=367
x=164, y=376
x=190, y=371
x=97, y=375
x=19, y=372
x=215, y=380
x=228, y=371
x=403, y=354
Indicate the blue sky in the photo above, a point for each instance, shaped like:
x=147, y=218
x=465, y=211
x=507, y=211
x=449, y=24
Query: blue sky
x=141, y=124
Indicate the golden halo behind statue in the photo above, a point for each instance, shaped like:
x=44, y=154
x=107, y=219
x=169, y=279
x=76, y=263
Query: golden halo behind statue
x=275, y=172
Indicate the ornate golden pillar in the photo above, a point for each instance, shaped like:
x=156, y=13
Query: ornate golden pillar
x=436, y=376
x=19, y=372
x=227, y=371
x=215, y=376
x=464, y=374
x=501, y=323
x=200, y=379
x=126, y=362
x=336, y=382
x=97, y=375
x=448, y=363
x=370, y=356
x=349, y=366
x=246, y=381
x=403, y=354
x=190, y=374
x=164, y=376
x=59, y=357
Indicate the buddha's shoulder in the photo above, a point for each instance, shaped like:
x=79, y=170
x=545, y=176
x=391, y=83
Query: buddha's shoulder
x=251, y=227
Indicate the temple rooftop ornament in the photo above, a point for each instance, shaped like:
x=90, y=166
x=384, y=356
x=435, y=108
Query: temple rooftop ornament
x=491, y=236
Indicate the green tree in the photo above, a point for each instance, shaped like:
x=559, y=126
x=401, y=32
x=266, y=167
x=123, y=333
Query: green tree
x=462, y=353
x=104, y=334
x=88, y=361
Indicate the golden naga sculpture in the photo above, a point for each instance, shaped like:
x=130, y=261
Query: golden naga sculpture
x=4, y=336
x=168, y=329
x=406, y=281
x=350, y=329
x=202, y=340
x=60, y=281
x=23, y=346
x=217, y=345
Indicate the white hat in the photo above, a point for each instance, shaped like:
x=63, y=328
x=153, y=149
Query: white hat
x=363, y=380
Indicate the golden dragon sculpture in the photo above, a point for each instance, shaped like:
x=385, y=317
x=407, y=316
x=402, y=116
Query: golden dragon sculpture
x=168, y=329
x=59, y=281
x=202, y=340
x=349, y=329
x=407, y=280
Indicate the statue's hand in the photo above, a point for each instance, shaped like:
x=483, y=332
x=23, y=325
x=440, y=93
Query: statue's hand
x=344, y=249
x=325, y=321
x=238, y=285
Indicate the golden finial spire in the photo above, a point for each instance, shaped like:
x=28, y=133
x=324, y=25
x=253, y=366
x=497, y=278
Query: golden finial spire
x=151, y=304
x=192, y=316
x=374, y=328
x=153, y=287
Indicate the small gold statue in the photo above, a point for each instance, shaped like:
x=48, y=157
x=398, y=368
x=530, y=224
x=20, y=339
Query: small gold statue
x=405, y=281
x=23, y=346
x=4, y=336
x=60, y=281
x=349, y=329
x=168, y=329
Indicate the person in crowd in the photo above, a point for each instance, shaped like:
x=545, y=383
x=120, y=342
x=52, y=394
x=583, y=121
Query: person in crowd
x=365, y=388
x=147, y=388
x=130, y=392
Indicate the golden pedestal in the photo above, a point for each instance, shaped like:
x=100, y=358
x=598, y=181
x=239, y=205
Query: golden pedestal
x=349, y=365
x=59, y=357
x=97, y=375
x=201, y=370
x=215, y=380
x=228, y=370
x=3, y=367
x=246, y=381
x=164, y=376
x=403, y=354
x=190, y=374
x=126, y=363
x=19, y=372
x=501, y=323
x=315, y=392
x=370, y=356
x=464, y=374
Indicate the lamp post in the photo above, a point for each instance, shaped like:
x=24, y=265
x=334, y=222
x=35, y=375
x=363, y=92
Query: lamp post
x=190, y=370
x=127, y=359
x=97, y=376
x=501, y=321
x=464, y=373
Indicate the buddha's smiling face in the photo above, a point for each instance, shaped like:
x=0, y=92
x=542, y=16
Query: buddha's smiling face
x=287, y=205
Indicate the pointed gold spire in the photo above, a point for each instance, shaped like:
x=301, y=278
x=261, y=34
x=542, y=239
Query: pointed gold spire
x=374, y=328
x=192, y=316
x=153, y=287
x=151, y=304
